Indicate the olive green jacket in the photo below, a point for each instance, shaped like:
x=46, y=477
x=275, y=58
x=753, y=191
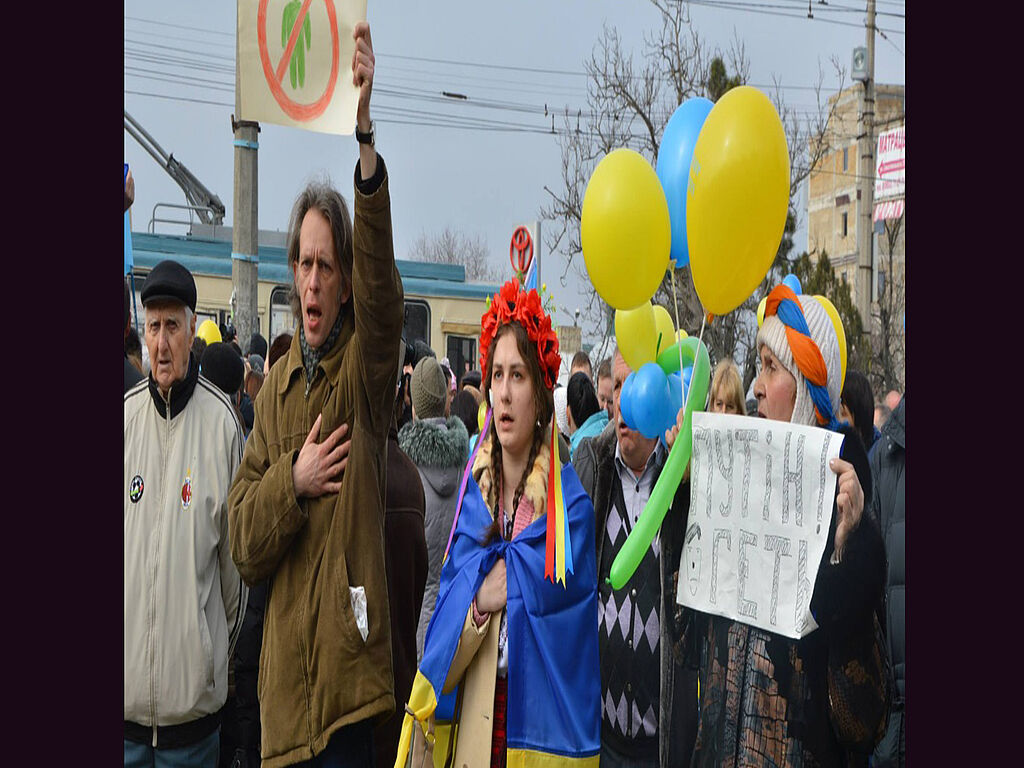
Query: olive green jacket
x=317, y=674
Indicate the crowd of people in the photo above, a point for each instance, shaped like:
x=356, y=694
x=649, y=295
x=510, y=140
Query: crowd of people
x=332, y=559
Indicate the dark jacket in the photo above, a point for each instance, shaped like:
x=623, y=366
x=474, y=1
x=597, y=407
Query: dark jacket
x=677, y=716
x=889, y=506
x=405, y=559
x=247, y=667
x=131, y=375
x=764, y=697
x=437, y=448
x=323, y=555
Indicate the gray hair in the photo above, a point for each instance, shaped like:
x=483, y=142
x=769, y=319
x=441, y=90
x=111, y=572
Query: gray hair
x=329, y=202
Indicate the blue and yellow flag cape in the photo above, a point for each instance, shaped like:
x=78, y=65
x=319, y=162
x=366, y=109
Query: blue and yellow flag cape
x=554, y=678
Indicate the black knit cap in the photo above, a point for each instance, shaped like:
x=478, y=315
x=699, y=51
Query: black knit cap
x=257, y=345
x=170, y=281
x=222, y=365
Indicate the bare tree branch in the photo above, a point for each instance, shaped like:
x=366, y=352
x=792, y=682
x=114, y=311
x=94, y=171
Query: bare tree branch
x=453, y=247
x=628, y=105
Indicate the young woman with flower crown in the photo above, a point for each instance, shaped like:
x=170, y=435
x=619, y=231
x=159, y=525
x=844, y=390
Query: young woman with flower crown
x=510, y=657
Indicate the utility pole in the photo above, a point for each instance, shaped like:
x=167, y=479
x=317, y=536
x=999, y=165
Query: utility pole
x=245, y=227
x=866, y=183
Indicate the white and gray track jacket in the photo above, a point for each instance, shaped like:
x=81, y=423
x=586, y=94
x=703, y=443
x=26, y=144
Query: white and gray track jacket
x=183, y=597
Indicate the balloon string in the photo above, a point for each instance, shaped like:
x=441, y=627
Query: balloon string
x=700, y=340
x=679, y=346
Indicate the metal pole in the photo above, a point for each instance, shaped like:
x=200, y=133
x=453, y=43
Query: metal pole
x=244, y=230
x=866, y=182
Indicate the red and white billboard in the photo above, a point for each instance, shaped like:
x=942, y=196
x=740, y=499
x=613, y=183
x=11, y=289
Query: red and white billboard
x=890, y=164
x=889, y=209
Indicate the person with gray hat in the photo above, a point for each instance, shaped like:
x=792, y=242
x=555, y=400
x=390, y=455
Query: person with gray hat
x=183, y=597
x=438, y=445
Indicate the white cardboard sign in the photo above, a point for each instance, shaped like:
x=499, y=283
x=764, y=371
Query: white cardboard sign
x=761, y=497
x=295, y=63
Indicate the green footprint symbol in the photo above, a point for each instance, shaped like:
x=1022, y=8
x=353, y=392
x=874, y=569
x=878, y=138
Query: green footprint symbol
x=297, y=65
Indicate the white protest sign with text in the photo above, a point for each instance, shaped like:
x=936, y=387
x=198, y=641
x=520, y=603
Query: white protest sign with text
x=761, y=497
x=295, y=63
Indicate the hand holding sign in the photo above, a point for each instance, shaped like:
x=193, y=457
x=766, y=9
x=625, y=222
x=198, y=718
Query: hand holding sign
x=849, y=503
x=129, y=188
x=362, y=72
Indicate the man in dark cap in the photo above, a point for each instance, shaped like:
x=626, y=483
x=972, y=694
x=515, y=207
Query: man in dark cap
x=183, y=598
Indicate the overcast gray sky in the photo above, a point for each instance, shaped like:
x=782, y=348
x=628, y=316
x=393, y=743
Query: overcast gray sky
x=481, y=182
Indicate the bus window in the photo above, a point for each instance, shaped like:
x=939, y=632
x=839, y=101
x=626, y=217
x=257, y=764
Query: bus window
x=417, y=322
x=461, y=353
x=281, y=317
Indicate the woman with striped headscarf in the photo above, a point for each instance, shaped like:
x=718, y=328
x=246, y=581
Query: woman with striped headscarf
x=764, y=697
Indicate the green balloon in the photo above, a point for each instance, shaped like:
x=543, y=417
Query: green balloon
x=668, y=360
x=638, y=541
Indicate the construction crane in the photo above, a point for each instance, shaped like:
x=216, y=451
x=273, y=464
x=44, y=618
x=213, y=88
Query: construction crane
x=201, y=200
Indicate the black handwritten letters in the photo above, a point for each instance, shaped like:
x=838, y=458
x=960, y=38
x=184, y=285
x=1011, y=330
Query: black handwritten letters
x=760, y=491
x=744, y=606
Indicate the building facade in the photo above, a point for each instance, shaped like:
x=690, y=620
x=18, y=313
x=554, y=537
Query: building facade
x=833, y=200
x=834, y=205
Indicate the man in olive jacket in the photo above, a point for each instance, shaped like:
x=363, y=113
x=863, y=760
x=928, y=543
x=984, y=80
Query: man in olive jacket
x=325, y=673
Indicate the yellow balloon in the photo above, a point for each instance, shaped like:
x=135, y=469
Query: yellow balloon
x=625, y=230
x=636, y=334
x=760, y=311
x=481, y=416
x=737, y=198
x=664, y=328
x=681, y=334
x=209, y=332
x=837, y=323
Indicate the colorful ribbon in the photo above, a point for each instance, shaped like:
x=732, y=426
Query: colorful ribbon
x=785, y=304
x=558, y=546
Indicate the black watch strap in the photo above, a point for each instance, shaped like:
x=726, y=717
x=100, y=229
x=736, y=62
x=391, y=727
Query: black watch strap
x=365, y=138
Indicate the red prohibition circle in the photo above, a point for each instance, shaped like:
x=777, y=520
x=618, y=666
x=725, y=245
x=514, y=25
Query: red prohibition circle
x=520, y=252
x=294, y=110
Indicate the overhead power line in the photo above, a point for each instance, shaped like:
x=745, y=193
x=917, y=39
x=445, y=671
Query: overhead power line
x=736, y=5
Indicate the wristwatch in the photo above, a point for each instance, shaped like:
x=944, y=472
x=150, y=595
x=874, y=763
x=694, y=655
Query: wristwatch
x=365, y=138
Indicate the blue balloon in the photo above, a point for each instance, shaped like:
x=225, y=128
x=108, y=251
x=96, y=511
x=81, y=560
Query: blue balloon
x=794, y=283
x=675, y=393
x=626, y=401
x=678, y=386
x=673, y=168
x=651, y=402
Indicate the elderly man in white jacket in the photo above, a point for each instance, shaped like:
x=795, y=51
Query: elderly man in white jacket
x=183, y=597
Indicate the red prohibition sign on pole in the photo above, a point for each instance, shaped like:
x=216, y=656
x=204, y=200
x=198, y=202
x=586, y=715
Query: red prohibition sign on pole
x=293, y=109
x=520, y=252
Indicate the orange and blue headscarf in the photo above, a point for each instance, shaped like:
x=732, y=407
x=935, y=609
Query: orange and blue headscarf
x=783, y=303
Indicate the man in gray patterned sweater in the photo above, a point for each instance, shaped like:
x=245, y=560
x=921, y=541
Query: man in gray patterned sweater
x=648, y=675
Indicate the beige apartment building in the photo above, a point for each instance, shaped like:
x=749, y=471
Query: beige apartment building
x=833, y=208
x=833, y=198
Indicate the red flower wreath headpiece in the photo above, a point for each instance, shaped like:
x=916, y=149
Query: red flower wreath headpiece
x=511, y=304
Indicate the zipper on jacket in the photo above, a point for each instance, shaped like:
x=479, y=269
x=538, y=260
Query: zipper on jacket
x=152, y=602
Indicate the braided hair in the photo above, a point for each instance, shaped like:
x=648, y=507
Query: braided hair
x=545, y=407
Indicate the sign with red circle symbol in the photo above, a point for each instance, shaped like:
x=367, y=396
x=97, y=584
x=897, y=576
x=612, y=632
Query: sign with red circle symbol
x=274, y=76
x=293, y=58
x=520, y=252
